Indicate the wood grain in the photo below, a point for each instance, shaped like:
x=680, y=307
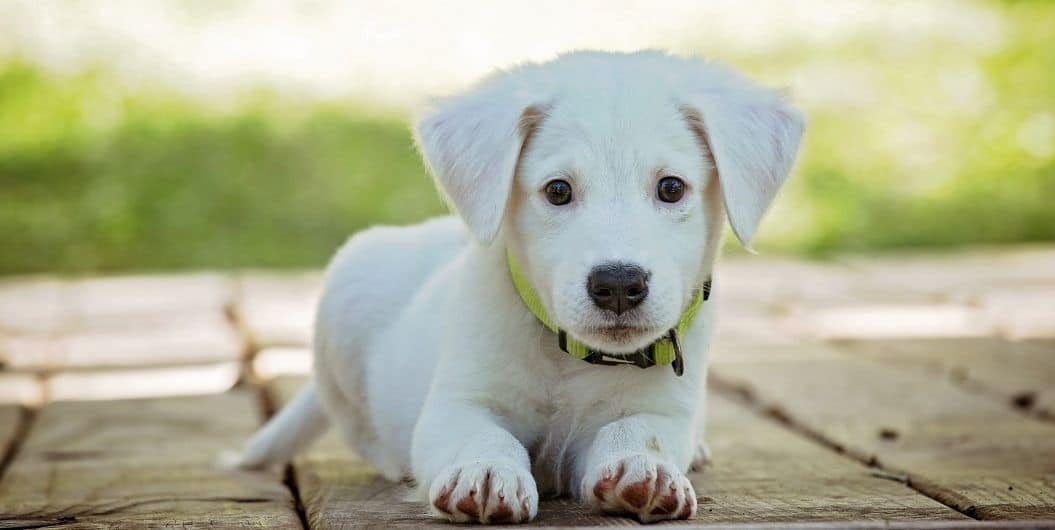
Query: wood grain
x=131, y=321
x=141, y=463
x=1020, y=373
x=969, y=451
x=761, y=473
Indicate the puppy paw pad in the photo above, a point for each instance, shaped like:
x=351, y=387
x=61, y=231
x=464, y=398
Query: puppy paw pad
x=641, y=487
x=485, y=493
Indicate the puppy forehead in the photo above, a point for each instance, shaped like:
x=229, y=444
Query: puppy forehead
x=620, y=131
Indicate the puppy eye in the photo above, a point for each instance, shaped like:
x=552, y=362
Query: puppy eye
x=670, y=189
x=558, y=192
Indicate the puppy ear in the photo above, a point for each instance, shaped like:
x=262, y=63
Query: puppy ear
x=753, y=136
x=472, y=145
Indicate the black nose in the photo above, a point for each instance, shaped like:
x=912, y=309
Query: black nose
x=617, y=286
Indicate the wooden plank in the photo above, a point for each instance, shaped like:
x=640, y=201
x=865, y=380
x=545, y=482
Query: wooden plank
x=43, y=306
x=270, y=363
x=761, y=473
x=142, y=463
x=760, y=298
x=764, y=473
x=780, y=301
x=893, y=321
x=961, y=276
x=26, y=389
x=10, y=421
x=142, y=383
x=179, y=339
x=1021, y=373
x=967, y=450
x=34, y=305
x=1023, y=312
x=1009, y=292
x=127, y=301
x=51, y=325
x=334, y=482
x=278, y=309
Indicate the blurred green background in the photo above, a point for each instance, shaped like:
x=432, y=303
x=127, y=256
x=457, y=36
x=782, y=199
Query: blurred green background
x=916, y=142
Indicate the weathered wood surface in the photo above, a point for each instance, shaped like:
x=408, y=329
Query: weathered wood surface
x=33, y=305
x=179, y=340
x=141, y=463
x=270, y=363
x=940, y=369
x=278, y=310
x=764, y=473
x=1020, y=373
x=10, y=420
x=761, y=473
x=144, y=382
x=973, y=293
x=970, y=452
x=338, y=489
x=21, y=388
x=50, y=326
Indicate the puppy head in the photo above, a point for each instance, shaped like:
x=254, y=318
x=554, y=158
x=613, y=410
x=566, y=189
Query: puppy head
x=608, y=175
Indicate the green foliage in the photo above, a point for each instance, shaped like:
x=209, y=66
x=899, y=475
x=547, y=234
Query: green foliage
x=94, y=181
x=917, y=144
x=936, y=145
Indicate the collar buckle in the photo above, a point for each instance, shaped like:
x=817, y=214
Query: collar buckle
x=679, y=362
x=643, y=358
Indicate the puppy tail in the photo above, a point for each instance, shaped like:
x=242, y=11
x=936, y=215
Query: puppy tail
x=287, y=433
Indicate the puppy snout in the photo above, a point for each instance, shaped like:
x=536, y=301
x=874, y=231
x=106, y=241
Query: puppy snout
x=617, y=287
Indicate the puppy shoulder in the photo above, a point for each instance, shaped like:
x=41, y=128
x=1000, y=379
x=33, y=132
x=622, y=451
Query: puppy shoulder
x=380, y=269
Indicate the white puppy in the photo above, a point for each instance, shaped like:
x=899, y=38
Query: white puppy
x=603, y=179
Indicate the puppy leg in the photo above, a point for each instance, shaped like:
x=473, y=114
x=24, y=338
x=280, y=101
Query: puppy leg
x=475, y=470
x=632, y=469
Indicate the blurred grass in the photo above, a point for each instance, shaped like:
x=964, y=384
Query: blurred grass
x=98, y=181
x=930, y=146
x=951, y=146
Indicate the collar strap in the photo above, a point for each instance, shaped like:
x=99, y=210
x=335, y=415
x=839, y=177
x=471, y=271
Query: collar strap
x=666, y=350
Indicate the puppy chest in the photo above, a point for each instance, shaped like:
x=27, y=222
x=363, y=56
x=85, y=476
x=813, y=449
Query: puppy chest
x=567, y=424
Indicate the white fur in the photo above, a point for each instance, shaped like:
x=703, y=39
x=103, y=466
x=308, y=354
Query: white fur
x=431, y=365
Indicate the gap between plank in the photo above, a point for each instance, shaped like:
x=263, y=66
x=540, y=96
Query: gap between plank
x=248, y=377
x=232, y=312
x=289, y=478
x=26, y=417
x=778, y=414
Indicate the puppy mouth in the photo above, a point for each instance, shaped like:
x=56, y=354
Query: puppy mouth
x=619, y=328
x=621, y=332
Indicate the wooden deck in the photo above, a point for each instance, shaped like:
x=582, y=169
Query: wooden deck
x=914, y=392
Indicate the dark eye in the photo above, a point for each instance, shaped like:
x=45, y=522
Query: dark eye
x=670, y=189
x=558, y=192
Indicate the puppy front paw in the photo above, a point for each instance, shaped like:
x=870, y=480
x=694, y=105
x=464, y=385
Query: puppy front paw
x=485, y=492
x=639, y=485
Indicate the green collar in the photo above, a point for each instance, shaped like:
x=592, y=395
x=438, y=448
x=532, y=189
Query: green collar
x=666, y=350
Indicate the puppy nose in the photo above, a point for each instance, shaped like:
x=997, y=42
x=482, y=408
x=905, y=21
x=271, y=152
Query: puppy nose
x=617, y=286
